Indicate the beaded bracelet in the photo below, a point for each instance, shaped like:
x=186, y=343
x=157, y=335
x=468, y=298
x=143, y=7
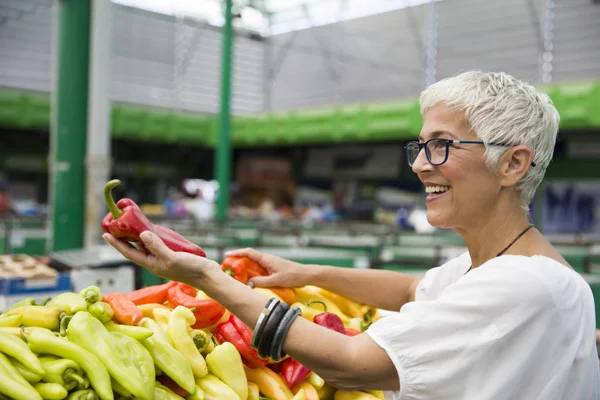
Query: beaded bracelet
x=266, y=338
x=262, y=319
x=282, y=331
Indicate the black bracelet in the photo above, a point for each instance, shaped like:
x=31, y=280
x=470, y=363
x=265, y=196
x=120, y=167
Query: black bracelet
x=262, y=319
x=282, y=331
x=265, y=339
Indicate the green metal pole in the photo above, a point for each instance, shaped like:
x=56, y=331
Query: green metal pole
x=68, y=139
x=223, y=158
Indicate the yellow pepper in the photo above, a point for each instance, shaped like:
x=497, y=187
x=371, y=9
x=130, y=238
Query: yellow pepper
x=315, y=380
x=253, y=391
x=354, y=323
x=215, y=389
x=308, y=293
x=135, y=332
x=198, y=395
x=354, y=395
x=180, y=320
x=147, y=309
x=13, y=321
x=226, y=364
x=162, y=392
x=377, y=393
x=301, y=395
x=38, y=316
x=269, y=383
x=326, y=392
x=309, y=390
x=267, y=293
x=349, y=307
x=161, y=316
x=308, y=312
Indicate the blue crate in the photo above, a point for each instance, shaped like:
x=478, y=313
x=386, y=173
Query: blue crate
x=16, y=289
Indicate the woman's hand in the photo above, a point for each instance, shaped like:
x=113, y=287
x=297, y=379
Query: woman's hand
x=282, y=272
x=157, y=258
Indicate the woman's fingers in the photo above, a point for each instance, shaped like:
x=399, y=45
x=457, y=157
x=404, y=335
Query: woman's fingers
x=156, y=246
x=129, y=251
x=247, y=252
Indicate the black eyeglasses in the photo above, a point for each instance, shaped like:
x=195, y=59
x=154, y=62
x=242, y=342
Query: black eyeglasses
x=436, y=149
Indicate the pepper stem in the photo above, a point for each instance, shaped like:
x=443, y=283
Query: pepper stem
x=64, y=323
x=70, y=375
x=112, y=206
x=46, y=300
x=318, y=302
x=24, y=335
x=229, y=272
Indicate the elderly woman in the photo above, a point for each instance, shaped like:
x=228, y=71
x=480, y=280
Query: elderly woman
x=508, y=319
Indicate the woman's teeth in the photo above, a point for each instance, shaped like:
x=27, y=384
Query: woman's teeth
x=436, y=189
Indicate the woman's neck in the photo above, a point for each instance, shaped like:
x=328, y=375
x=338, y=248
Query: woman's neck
x=489, y=237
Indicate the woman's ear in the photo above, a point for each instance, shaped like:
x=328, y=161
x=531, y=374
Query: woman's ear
x=515, y=163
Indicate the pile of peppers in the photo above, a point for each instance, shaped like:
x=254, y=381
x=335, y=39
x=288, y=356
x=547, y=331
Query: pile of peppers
x=165, y=342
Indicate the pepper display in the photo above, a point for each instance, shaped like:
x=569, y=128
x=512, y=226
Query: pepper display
x=167, y=358
x=126, y=220
x=207, y=311
x=226, y=364
x=89, y=334
x=180, y=321
x=44, y=341
x=240, y=335
x=269, y=383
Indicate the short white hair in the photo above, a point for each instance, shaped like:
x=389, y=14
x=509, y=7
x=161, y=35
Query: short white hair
x=501, y=108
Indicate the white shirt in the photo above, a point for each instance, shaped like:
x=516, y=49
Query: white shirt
x=515, y=328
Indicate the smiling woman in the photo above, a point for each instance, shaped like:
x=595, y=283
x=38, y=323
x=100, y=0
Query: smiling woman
x=509, y=319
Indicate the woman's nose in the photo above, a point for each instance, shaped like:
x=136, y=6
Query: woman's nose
x=421, y=163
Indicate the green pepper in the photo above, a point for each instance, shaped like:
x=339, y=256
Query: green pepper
x=13, y=384
x=29, y=376
x=136, y=332
x=91, y=294
x=11, y=322
x=30, y=301
x=101, y=311
x=38, y=316
x=167, y=358
x=120, y=390
x=51, y=391
x=199, y=395
x=17, y=349
x=43, y=341
x=64, y=372
x=70, y=303
x=86, y=394
x=141, y=358
x=163, y=393
x=170, y=395
x=89, y=334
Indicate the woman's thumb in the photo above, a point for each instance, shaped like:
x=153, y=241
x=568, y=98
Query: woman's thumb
x=262, y=281
x=154, y=244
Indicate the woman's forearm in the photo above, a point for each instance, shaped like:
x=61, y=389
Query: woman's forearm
x=378, y=288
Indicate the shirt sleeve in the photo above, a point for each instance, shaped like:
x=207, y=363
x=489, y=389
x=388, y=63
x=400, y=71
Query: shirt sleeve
x=442, y=348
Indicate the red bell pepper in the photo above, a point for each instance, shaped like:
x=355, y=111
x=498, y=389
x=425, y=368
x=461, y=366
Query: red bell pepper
x=151, y=294
x=125, y=311
x=234, y=266
x=293, y=372
x=327, y=319
x=207, y=311
x=127, y=221
x=239, y=334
